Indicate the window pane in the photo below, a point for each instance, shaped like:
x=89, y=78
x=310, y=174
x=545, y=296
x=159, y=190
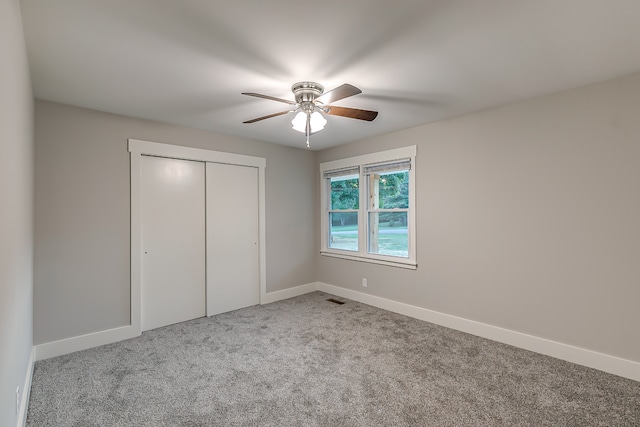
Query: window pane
x=388, y=234
x=343, y=230
x=393, y=190
x=345, y=192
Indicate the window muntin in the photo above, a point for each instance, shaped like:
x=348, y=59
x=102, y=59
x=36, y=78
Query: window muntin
x=380, y=226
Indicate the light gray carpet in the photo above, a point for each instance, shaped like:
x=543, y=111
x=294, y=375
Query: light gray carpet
x=310, y=362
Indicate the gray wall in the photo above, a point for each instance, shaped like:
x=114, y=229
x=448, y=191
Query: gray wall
x=16, y=211
x=82, y=236
x=527, y=218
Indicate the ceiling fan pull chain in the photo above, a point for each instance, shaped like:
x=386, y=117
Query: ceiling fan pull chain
x=308, y=128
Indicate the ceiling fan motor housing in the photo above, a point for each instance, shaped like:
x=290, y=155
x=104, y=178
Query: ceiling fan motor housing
x=306, y=94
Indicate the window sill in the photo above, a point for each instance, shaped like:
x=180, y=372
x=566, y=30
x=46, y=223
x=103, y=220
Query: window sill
x=400, y=264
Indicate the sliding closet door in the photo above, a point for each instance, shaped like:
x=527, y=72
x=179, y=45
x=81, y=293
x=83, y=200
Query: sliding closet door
x=173, y=241
x=232, y=238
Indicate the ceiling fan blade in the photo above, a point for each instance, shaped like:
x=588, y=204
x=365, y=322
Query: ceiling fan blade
x=341, y=92
x=259, y=95
x=352, y=113
x=268, y=117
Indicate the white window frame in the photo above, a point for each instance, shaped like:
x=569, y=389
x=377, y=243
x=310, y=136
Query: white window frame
x=362, y=254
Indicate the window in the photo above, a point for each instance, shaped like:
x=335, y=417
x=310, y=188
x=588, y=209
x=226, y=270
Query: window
x=369, y=209
x=344, y=203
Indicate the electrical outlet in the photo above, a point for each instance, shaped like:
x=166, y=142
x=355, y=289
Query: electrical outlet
x=17, y=400
x=364, y=282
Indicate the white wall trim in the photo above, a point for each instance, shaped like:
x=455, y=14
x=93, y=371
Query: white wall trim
x=83, y=342
x=26, y=390
x=370, y=258
x=198, y=154
x=95, y=339
x=138, y=148
x=380, y=156
x=581, y=356
x=289, y=293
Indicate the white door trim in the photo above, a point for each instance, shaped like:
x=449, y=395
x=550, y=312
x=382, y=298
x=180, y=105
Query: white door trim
x=138, y=148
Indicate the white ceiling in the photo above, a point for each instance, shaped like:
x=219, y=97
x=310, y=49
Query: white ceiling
x=417, y=61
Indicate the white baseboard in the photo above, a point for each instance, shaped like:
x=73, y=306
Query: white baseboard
x=26, y=390
x=289, y=293
x=95, y=339
x=581, y=356
x=604, y=362
x=83, y=342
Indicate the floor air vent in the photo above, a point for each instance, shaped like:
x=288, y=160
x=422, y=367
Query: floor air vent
x=335, y=301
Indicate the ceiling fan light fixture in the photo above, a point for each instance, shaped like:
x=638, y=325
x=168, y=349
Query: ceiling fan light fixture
x=299, y=122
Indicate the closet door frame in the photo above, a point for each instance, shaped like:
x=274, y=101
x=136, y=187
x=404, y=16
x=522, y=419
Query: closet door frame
x=139, y=148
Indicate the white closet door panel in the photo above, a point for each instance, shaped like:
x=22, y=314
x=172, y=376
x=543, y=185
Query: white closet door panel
x=173, y=241
x=232, y=238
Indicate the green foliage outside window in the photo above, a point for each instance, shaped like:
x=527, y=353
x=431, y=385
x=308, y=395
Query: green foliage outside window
x=394, y=193
x=345, y=194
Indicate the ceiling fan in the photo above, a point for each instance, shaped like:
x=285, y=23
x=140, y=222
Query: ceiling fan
x=311, y=101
